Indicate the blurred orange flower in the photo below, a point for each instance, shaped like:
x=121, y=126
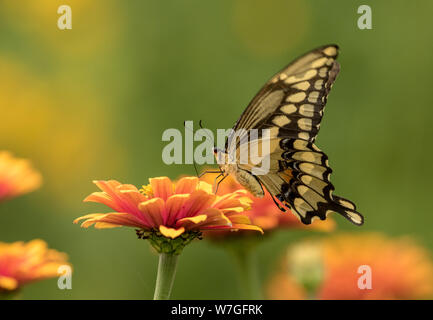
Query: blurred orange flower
x=399, y=268
x=170, y=208
x=21, y=263
x=284, y=287
x=16, y=176
x=265, y=213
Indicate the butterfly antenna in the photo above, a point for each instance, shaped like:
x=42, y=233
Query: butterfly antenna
x=195, y=168
x=193, y=161
x=201, y=126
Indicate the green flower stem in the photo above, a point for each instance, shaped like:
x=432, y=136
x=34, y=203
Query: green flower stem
x=165, y=278
x=249, y=281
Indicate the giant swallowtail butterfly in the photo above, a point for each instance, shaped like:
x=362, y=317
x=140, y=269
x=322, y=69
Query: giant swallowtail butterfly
x=291, y=106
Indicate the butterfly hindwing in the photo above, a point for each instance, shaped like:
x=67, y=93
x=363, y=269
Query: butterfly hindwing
x=307, y=189
x=299, y=177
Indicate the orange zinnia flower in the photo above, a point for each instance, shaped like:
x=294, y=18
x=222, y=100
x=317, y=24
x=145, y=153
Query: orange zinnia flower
x=16, y=176
x=21, y=263
x=264, y=211
x=169, y=209
x=399, y=269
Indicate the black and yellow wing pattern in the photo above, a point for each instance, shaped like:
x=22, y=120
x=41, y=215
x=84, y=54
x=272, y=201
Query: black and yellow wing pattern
x=291, y=106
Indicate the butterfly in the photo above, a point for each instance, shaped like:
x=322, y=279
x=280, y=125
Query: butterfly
x=290, y=105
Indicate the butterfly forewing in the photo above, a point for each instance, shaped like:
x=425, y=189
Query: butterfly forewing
x=291, y=103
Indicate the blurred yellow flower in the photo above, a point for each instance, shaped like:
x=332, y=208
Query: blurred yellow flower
x=22, y=263
x=17, y=176
x=92, y=25
x=34, y=122
x=168, y=209
x=399, y=268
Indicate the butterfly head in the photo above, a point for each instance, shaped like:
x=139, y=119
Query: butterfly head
x=216, y=151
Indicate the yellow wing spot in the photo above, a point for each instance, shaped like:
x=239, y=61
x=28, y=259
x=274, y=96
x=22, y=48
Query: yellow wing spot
x=300, y=145
x=312, y=97
x=274, y=131
x=302, y=206
x=307, y=110
x=283, y=76
x=307, y=156
x=354, y=217
x=315, y=184
x=281, y=120
x=316, y=148
x=303, y=77
x=346, y=204
x=318, y=84
x=297, y=97
x=302, y=190
x=311, y=196
x=312, y=169
x=302, y=85
x=330, y=51
x=303, y=135
x=305, y=124
x=329, y=212
x=329, y=62
x=288, y=108
x=319, y=62
x=323, y=72
x=306, y=179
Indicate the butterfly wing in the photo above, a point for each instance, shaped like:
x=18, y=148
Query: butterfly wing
x=291, y=106
x=298, y=177
x=291, y=103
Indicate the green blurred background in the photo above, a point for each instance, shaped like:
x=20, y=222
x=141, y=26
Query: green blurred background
x=92, y=103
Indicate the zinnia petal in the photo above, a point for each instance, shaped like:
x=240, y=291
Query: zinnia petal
x=247, y=227
x=209, y=217
x=110, y=220
x=162, y=187
x=173, y=206
x=170, y=232
x=198, y=201
x=154, y=209
x=123, y=204
x=207, y=187
x=186, y=185
x=104, y=198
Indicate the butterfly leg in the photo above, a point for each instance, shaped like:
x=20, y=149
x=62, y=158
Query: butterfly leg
x=217, y=184
x=208, y=171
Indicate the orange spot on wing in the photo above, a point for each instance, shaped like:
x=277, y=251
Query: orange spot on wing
x=286, y=175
